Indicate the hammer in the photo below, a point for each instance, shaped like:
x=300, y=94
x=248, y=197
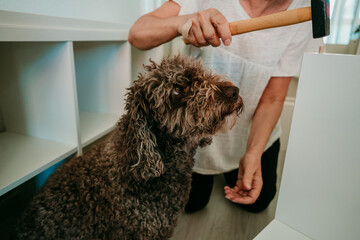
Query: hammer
x=318, y=13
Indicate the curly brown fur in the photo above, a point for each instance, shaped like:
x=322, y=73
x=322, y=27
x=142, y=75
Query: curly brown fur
x=134, y=184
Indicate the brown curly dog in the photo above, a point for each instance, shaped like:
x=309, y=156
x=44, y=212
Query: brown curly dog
x=135, y=184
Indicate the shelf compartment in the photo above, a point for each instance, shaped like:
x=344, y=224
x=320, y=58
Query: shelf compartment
x=95, y=125
x=37, y=109
x=102, y=76
x=23, y=157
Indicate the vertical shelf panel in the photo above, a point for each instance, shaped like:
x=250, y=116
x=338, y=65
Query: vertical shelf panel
x=102, y=76
x=319, y=195
x=37, y=108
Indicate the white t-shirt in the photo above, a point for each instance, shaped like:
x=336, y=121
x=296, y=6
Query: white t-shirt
x=250, y=61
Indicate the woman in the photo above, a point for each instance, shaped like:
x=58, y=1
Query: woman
x=260, y=63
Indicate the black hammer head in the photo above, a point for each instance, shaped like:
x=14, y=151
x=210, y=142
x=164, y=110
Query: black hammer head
x=320, y=13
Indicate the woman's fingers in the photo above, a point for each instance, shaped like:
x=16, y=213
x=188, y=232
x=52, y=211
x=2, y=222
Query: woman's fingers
x=208, y=27
x=208, y=30
x=197, y=32
x=222, y=28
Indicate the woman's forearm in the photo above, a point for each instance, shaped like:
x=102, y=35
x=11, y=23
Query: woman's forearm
x=264, y=121
x=267, y=115
x=151, y=31
x=164, y=24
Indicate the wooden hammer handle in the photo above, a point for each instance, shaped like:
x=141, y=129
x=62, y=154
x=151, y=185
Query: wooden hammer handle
x=279, y=19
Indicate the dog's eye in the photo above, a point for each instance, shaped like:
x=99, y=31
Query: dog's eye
x=178, y=90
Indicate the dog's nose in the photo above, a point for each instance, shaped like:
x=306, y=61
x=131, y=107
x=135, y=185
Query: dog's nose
x=230, y=91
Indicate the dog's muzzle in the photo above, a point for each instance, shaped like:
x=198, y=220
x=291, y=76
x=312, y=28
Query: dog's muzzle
x=232, y=98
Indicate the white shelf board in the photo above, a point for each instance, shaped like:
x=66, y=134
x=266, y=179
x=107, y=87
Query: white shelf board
x=17, y=26
x=94, y=125
x=279, y=231
x=22, y=157
x=319, y=195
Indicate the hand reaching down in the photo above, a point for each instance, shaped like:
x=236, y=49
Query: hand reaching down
x=249, y=183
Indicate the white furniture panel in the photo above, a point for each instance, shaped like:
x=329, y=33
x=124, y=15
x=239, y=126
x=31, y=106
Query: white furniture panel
x=277, y=230
x=22, y=157
x=16, y=26
x=59, y=89
x=102, y=76
x=104, y=10
x=37, y=104
x=36, y=78
x=319, y=194
x=94, y=125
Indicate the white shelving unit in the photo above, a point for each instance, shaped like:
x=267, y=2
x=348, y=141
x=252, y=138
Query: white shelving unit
x=100, y=75
x=319, y=196
x=62, y=86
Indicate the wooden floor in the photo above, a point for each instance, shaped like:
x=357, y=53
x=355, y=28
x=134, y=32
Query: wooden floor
x=222, y=220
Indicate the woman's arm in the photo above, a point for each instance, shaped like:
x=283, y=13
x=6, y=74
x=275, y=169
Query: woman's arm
x=164, y=24
x=157, y=27
x=267, y=114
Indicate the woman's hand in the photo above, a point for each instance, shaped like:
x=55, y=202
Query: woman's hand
x=267, y=113
x=164, y=24
x=249, y=183
x=207, y=27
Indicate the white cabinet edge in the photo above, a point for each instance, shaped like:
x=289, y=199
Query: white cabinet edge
x=280, y=231
x=16, y=26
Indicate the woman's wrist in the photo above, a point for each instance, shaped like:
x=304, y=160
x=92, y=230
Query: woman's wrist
x=255, y=152
x=181, y=22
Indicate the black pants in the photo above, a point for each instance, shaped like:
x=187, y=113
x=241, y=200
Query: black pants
x=201, y=185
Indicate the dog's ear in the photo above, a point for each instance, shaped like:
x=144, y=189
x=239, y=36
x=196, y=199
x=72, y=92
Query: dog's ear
x=144, y=156
x=149, y=160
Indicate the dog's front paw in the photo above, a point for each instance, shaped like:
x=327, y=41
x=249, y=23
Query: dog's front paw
x=205, y=141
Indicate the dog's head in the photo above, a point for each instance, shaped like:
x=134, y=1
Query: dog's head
x=182, y=99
